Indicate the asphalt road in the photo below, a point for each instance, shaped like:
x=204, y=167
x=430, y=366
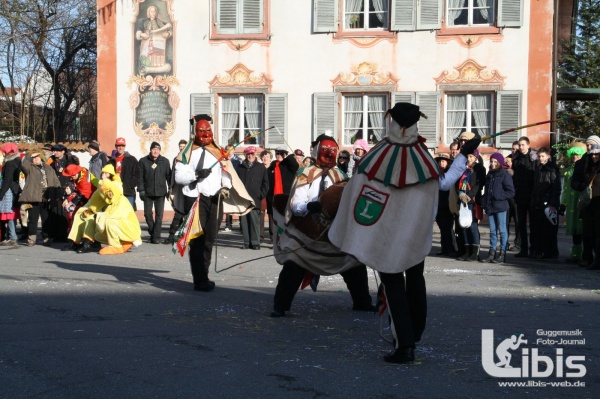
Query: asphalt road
x=130, y=326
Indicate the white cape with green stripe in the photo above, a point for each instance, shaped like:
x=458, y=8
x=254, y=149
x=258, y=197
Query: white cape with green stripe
x=389, y=207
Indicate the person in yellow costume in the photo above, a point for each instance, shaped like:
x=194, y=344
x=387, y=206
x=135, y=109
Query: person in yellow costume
x=119, y=226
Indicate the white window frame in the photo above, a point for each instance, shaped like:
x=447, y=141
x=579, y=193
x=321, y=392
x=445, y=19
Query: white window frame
x=469, y=116
x=240, y=135
x=365, y=16
x=365, y=116
x=471, y=6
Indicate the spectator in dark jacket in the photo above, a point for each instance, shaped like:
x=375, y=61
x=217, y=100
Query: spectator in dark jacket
x=498, y=190
x=9, y=191
x=444, y=216
x=545, y=194
x=524, y=164
x=255, y=178
x=579, y=183
x=154, y=185
x=56, y=227
x=282, y=174
x=126, y=166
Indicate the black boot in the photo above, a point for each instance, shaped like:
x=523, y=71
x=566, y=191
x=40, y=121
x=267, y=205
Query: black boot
x=501, y=257
x=400, y=356
x=467, y=254
x=595, y=265
x=491, y=256
x=169, y=240
x=85, y=247
x=474, y=253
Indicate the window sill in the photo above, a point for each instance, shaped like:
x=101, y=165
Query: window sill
x=363, y=33
x=468, y=30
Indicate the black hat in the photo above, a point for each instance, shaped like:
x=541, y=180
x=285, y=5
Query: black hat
x=281, y=150
x=94, y=145
x=200, y=117
x=47, y=147
x=298, y=152
x=320, y=138
x=154, y=145
x=59, y=147
x=405, y=114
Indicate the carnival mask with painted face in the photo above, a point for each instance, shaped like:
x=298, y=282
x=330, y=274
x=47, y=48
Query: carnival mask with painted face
x=327, y=153
x=204, y=134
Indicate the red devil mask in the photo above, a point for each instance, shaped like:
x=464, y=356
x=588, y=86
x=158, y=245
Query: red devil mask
x=327, y=153
x=204, y=135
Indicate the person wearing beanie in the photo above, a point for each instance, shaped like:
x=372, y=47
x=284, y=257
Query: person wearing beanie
x=300, y=245
x=98, y=160
x=153, y=187
x=499, y=189
x=388, y=192
x=591, y=140
x=359, y=149
x=568, y=203
x=9, y=189
x=127, y=167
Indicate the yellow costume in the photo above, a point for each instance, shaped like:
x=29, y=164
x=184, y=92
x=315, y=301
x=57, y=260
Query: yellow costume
x=108, y=217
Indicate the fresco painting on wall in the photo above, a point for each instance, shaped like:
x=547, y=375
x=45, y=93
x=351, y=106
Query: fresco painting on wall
x=154, y=102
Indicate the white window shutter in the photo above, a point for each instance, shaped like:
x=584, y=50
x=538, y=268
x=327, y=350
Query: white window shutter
x=510, y=13
x=325, y=15
x=227, y=16
x=202, y=103
x=325, y=113
x=429, y=104
x=403, y=15
x=508, y=116
x=276, y=115
x=402, y=97
x=252, y=16
x=429, y=14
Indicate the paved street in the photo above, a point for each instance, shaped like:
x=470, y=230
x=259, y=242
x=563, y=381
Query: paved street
x=130, y=326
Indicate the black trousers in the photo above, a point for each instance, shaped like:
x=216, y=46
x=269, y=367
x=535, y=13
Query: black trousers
x=544, y=235
x=512, y=214
x=406, y=297
x=33, y=215
x=587, y=234
x=291, y=276
x=177, y=218
x=445, y=222
x=55, y=225
x=154, y=223
x=200, y=251
x=249, y=224
x=524, y=217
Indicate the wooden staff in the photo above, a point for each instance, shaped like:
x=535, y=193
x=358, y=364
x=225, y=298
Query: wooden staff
x=532, y=124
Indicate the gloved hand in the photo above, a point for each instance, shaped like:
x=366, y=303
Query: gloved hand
x=224, y=192
x=464, y=198
x=562, y=209
x=143, y=195
x=314, y=207
x=471, y=145
x=203, y=173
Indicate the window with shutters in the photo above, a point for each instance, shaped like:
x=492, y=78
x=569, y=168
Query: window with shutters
x=363, y=117
x=239, y=19
x=241, y=116
x=468, y=112
x=470, y=12
x=366, y=14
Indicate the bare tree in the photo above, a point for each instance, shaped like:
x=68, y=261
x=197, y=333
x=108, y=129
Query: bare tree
x=62, y=36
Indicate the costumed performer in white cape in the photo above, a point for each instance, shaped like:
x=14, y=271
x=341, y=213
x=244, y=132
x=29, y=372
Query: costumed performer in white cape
x=390, y=205
x=206, y=173
x=301, y=244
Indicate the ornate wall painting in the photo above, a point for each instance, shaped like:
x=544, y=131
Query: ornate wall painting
x=154, y=101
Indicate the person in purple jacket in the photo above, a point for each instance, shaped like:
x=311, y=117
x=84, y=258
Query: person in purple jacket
x=498, y=190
